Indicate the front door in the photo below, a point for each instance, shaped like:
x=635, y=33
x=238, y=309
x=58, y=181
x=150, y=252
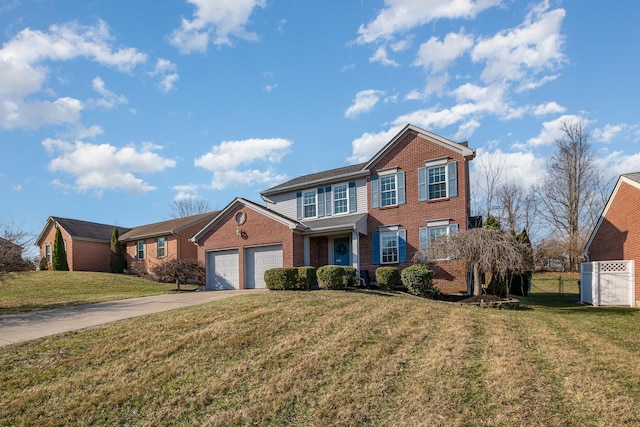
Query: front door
x=341, y=251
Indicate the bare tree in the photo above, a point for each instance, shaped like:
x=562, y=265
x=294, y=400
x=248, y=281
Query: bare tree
x=486, y=250
x=187, y=207
x=492, y=176
x=13, y=240
x=568, y=192
x=518, y=207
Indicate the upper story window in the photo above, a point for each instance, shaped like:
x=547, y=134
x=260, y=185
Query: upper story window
x=340, y=199
x=310, y=208
x=387, y=189
x=140, y=249
x=438, y=180
x=161, y=249
x=326, y=201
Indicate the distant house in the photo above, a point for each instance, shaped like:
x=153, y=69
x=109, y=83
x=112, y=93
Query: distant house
x=150, y=245
x=10, y=255
x=382, y=212
x=87, y=244
x=616, y=235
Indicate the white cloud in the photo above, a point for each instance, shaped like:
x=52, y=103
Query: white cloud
x=381, y=56
x=364, y=102
x=548, y=108
x=215, y=21
x=243, y=162
x=166, y=71
x=618, y=163
x=186, y=192
x=521, y=167
x=523, y=53
x=109, y=99
x=552, y=130
x=364, y=147
x=403, y=15
x=23, y=71
x=437, y=55
x=99, y=167
x=608, y=133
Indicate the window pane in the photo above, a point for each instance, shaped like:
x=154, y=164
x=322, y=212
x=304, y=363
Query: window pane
x=140, y=250
x=161, y=247
x=437, y=183
x=389, y=246
x=340, y=203
x=388, y=190
x=310, y=204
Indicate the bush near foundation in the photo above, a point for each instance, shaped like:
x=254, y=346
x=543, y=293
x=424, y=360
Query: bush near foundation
x=289, y=278
x=388, y=278
x=336, y=276
x=418, y=279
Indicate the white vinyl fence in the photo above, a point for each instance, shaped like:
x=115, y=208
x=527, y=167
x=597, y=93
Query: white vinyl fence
x=607, y=283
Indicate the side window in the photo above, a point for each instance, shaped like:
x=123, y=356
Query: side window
x=140, y=249
x=47, y=252
x=161, y=250
x=439, y=181
x=429, y=234
x=387, y=190
x=389, y=247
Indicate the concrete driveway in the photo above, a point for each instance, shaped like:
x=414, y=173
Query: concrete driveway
x=15, y=328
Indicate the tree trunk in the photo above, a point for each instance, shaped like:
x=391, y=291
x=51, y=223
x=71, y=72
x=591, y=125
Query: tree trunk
x=477, y=285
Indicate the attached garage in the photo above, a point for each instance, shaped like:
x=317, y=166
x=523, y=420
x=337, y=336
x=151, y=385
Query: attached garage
x=223, y=270
x=257, y=261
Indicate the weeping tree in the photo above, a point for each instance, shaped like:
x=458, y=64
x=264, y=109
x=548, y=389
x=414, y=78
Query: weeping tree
x=485, y=250
x=117, y=262
x=59, y=254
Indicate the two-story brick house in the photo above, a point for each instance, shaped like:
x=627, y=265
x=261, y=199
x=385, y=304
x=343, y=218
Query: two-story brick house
x=381, y=212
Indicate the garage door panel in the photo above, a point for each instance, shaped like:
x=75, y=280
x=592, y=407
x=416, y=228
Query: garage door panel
x=223, y=270
x=260, y=260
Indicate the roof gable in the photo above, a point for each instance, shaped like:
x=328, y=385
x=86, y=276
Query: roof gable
x=632, y=179
x=238, y=201
x=458, y=147
x=166, y=227
x=82, y=230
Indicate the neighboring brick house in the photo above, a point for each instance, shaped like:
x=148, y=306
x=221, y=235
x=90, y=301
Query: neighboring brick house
x=381, y=212
x=616, y=235
x=150, y=245
x=87, y=244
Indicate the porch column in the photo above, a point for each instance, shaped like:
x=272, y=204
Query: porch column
x=355, y=251
x=307, y=251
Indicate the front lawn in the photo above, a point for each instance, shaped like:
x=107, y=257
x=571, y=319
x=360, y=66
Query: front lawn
x=333, y=358
x=41, y=290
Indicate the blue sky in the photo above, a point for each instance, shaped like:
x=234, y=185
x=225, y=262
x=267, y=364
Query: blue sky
x=111, y=110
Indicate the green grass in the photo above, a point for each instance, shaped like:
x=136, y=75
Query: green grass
x=334, y=358
x=41, y=290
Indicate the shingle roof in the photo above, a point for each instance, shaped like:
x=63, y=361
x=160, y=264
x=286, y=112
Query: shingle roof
x=87, y=230
x=323, y=176
x=635, y=176
x=166, y=227
x=334, y=222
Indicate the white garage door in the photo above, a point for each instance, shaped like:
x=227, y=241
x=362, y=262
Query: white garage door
x=223, y=270
x=258, y=261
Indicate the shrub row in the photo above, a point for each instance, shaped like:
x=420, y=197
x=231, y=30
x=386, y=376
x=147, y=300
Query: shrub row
x=336, y=276
x=290, y=278
x=417, y=278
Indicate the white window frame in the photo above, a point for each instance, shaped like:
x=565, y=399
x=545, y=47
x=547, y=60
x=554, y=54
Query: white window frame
x=394, y=237
x=162, y=247
x=394, y=192
x=47, y=252
x=345, y=199
x=444, y=182
x=314, y=204
x=436, y=225
x=140, y=243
